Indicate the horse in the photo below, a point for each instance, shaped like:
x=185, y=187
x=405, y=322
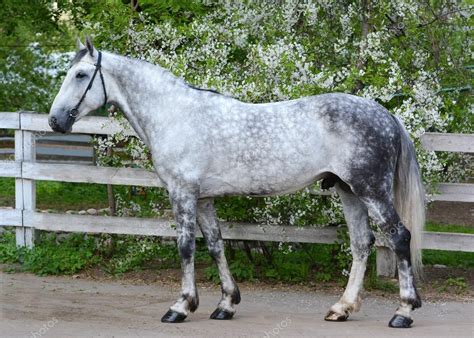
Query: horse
x=205, y=144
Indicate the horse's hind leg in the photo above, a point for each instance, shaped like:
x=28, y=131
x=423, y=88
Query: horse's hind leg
x=361, y=238
x=210, y=229
x=383, y=212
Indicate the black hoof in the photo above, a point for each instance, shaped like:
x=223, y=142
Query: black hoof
x=335, y=317
x=173, y=317
x=399, y=321
x=221, y=314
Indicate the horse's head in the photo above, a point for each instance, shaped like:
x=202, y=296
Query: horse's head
x=82, y=91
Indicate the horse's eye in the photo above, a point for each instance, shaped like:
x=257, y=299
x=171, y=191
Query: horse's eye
x=80, y=75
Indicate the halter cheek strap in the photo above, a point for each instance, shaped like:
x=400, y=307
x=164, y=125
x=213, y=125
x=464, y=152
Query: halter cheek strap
x=74, y=112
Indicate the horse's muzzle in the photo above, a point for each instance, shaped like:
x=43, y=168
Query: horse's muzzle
x=57, y=126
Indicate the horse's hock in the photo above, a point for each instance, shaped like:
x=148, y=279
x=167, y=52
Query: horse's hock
x=25, y=169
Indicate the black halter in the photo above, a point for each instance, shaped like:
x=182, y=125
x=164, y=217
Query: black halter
x=73, y=113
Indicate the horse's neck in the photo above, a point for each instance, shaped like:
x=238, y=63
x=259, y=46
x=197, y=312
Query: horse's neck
x=141, y=92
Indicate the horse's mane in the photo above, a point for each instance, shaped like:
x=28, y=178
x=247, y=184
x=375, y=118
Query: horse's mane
x=82, y=52
x=203, y=89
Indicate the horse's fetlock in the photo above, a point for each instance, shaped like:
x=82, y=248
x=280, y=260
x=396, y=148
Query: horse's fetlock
x=193, y=301
x=415, y=302
x=235, y=295
x=357, y=305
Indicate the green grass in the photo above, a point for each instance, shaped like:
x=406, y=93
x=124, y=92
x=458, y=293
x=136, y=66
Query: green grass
x=457, y=285
x=58, y=195
x=430, y=226
x=7, y=192
x=117, y=254
x=51, y=255
x=449, y=258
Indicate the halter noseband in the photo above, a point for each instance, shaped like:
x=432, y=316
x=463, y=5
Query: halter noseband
x=73, y=113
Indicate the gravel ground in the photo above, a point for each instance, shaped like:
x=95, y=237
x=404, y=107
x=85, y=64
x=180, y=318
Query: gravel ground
x=64, y=306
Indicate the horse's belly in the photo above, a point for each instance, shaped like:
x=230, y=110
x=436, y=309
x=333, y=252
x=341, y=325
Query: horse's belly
x=267, y=181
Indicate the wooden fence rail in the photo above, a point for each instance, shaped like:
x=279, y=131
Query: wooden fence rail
x=75, y=148
x=29, y=127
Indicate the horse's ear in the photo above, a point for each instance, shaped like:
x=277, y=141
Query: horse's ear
x=90, y=46
x=79, y=44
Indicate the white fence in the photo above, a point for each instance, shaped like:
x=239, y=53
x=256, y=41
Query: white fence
x=75, y=148
x=30, y=126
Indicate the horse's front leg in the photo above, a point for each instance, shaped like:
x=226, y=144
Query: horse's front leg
x=184, y=208
x=207, y=221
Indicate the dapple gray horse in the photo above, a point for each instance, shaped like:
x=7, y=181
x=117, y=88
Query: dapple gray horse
x=205, y=144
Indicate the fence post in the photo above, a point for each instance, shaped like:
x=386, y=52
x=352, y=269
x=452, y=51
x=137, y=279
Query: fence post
x=386, y=261
x=25, y=190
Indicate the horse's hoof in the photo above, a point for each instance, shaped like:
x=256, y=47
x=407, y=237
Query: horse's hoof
x=335, y=317
x=399, y=321
x=221, y=314
x=173, y=317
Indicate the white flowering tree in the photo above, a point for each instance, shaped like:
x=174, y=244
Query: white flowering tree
x=411, y=57
x=30, y=36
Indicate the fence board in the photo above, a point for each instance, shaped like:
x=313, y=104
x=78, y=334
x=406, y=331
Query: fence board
x=238, y=231
x=448, y=241
x=10, y=169
x=278, y=233
x=454, y=192
x=90, y=174
x=163, y=227
x=448, y=142
x=456, y=188
x=100, y=224
x=9, y=120
x=453, y=198
x=10, y=217
x=87, y=125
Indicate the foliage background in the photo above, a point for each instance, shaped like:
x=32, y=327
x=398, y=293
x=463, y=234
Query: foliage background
x=413, y=57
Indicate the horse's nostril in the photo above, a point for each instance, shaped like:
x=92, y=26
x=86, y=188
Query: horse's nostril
x=53, y=122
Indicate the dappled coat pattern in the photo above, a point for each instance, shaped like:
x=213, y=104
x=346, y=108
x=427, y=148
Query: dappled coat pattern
x=205, y=145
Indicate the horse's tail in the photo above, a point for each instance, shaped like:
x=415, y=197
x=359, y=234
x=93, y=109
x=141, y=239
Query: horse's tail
x=410, y=197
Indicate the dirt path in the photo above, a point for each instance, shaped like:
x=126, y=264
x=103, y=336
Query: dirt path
x=76, y=307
